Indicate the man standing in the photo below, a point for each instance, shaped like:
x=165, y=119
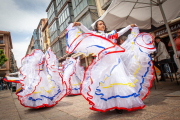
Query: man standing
x=162, y=56
x=122, y=39
x=1, y=81
x=177, y=42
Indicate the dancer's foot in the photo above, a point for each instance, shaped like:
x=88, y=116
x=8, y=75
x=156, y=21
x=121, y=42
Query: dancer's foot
x=119, y=111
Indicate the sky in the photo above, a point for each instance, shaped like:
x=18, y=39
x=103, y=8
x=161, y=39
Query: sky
x=21, y=17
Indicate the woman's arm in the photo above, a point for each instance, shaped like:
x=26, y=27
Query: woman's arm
x=16, y=73
x=122, y=31
x=82, y=27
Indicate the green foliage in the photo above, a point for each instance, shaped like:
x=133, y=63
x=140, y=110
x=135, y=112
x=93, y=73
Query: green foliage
x=3, y=58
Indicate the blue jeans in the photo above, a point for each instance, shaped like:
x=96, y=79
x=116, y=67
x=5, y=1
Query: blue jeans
x=1, y=86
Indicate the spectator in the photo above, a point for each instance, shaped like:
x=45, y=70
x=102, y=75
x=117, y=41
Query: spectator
x=161, y=57
x=122, y=39
x=1, y=81
x=177, y=42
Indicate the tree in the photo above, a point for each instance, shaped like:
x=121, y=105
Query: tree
x=3, y=58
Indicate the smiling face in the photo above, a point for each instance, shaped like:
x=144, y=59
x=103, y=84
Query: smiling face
x=101, y=26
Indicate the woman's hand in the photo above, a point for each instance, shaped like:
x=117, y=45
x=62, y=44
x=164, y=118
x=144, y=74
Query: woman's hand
x=76, y=24
x=155, y=59
x=133, y=25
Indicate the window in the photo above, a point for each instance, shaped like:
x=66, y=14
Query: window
x=56, y=49
x=59, y=4
x=64, y=43
x=91, y=2
x=78, y=6
x=1, y=40
x=50, y=11
x=65, y=17
x=86, y=20
x=53, y=31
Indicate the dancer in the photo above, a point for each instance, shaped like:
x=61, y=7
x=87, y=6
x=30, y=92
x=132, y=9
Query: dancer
x=119, y=78
x=42, y=84
x=15, y=80
x=73, y=75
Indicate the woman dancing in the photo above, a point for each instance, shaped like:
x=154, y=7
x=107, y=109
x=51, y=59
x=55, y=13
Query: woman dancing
x=120, y=77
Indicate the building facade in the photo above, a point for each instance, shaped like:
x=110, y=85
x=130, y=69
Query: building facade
x=46, y=37
x=39, y=33
x=6, y=44
x=31, y=46
x=36, y=39
x=62, y=12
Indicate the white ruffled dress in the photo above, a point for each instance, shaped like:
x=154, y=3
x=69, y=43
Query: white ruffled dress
x=41, y=82
x=120, y=77
x=73, y=75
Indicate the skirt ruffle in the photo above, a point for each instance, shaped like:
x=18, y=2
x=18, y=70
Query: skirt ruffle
x=41, y=84
x=120, y=77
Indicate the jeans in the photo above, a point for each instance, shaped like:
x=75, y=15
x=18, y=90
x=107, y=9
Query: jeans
x=175, y=60
x=1, y=86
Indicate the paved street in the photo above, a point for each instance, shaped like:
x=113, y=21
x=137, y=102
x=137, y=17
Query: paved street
x=158, y=107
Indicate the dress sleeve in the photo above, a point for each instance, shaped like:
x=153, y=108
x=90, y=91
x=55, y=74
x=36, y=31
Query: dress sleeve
x=122, y=31
x=16, y=73
x=83, y=28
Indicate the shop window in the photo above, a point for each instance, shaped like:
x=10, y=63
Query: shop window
x=64, y=43
x=56, y=49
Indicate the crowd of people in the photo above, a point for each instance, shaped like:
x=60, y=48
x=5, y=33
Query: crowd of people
x=162, y=57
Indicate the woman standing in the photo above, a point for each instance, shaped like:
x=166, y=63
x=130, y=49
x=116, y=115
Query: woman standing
x=120, y=77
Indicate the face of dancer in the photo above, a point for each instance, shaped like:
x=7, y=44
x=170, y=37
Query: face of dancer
x=178, y=33
x=100, y=26
x=60, y=65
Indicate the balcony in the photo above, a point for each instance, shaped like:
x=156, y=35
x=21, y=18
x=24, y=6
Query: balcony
x=105, y=4
x=2, y=44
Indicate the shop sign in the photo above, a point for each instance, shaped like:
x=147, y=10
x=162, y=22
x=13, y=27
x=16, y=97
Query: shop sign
x=164, y=31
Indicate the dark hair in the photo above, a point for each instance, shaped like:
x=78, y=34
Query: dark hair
x=96, y=24
x=156, y=44
x=157, y=38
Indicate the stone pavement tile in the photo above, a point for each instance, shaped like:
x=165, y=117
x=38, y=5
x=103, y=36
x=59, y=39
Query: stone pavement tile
x=172, y=101
x=81, y=113
x=7, y=107
x=54, y=114
x=159, y=108
x=72, y=108
x=2, y=111
x=64, y=104
x=136, y=115
x=36, y=118
x=64, y=117
x=26, y=114
x=12, y=118
x=45, y=110
x=9, y=115
x=95, y=115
